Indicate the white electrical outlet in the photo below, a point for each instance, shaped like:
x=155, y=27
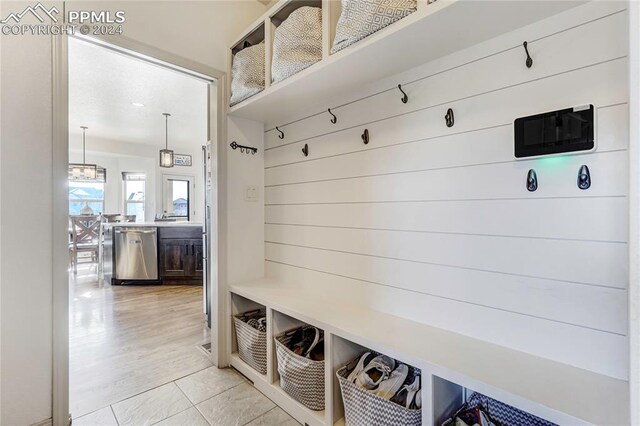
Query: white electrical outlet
x=251, y=193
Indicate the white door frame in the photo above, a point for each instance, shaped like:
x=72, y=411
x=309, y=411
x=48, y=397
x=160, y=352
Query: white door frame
x=217, y=129
x=166, y=177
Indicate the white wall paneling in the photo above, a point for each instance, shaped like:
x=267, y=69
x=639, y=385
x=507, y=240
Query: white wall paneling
x=434, y=224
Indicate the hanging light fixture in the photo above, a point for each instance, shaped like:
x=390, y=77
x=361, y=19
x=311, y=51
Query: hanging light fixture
x=83, y=171
x=166, y=155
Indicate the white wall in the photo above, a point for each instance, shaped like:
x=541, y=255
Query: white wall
x=133, y=157
x=196, y=30
x=245, y=218
x=199, y=31
x=25, y=227
x=115, y=165
x=435, y=224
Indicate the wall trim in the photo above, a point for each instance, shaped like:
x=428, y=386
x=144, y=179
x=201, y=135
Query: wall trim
x=59, y=225
x=634, y=212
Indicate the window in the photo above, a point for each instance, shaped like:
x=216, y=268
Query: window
x=134, y=194
x=87, y=193
x=177, y=197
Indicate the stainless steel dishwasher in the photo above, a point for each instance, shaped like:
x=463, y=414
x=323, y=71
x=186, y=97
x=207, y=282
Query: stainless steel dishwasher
x=136, y=254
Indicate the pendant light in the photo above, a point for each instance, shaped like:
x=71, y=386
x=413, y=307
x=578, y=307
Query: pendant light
x=83, y=171
x=166, y=155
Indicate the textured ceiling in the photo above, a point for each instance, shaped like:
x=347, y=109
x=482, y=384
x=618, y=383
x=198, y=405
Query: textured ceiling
x=103, y=84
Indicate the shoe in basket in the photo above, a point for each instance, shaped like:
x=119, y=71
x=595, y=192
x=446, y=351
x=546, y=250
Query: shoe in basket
x=377, y=371
x=364, y=360
x=408, y=394
x=389, y=387
x=304, y=340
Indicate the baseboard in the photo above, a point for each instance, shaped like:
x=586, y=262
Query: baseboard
x=46, y=422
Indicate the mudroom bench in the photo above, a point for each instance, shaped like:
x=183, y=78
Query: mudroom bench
x=452, y=365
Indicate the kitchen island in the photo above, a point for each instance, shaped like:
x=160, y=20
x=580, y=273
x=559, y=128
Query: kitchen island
x=153, y=253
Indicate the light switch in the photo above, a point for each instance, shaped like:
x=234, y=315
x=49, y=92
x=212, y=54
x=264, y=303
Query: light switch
x=251, y=193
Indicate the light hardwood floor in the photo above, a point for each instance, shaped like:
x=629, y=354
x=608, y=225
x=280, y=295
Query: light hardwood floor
x=125, y=340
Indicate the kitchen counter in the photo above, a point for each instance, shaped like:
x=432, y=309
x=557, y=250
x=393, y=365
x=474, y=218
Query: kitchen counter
x=153, y=253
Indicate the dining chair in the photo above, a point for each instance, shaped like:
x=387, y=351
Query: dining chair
x=111, y=217
x=85, y=237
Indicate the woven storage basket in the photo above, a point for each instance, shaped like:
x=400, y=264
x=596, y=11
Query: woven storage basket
x=361, y=18
x=506, y=414
x=362, y=408
x=252, y=345
x=300, y=377
x=247, y=73
x=297, y=43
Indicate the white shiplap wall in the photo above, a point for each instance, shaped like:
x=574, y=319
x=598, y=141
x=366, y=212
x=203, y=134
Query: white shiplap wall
x=435, y=223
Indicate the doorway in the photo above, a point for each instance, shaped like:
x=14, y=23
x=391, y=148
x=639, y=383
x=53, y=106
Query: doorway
x=130, y=182
x=177, y=192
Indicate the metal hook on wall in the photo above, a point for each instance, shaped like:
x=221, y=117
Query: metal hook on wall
x=334, y=120
x=532, y=180
x=305, y=150
x=529, y=60
x=244, y=149
x=281, y=135
x=449, y=118
x=365, y=136
x=405, y=98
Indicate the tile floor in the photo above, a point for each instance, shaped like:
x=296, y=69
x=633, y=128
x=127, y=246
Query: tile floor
x=135, y=359
x=208, y=397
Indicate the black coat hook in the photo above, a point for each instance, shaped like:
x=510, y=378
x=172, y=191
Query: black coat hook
x=405, y=98
x=529, y=60
x=584, y=177
x=449, y=118
x=334, y=120
x=365, y=136
x=281, y=135
x=532, y=181
x=305, y=150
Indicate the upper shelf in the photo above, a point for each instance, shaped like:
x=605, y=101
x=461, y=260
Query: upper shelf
x=433, y=31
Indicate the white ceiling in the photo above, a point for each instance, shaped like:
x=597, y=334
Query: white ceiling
x=103, y=84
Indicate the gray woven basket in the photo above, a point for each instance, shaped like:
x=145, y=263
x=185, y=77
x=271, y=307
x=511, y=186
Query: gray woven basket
x=297, y=43
x=362, y=408
x=247, y=73
x=252, y=345
x=300, y=377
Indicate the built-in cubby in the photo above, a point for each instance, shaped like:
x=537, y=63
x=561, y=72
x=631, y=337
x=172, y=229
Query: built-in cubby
x=263, y=30
x=448, y=397
x=282, y=323
x=280, y=14
x=277, y=15
x=240, y=305
x=251, y=38
x=452, y=366
x=342, y=352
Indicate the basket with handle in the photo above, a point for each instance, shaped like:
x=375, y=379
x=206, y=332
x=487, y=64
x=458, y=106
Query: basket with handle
x=362, y=408
x=302, y=378
x=252, y=343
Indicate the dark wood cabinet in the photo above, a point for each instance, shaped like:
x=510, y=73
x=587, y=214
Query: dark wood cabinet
x=181, y=253
x=174, y=258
